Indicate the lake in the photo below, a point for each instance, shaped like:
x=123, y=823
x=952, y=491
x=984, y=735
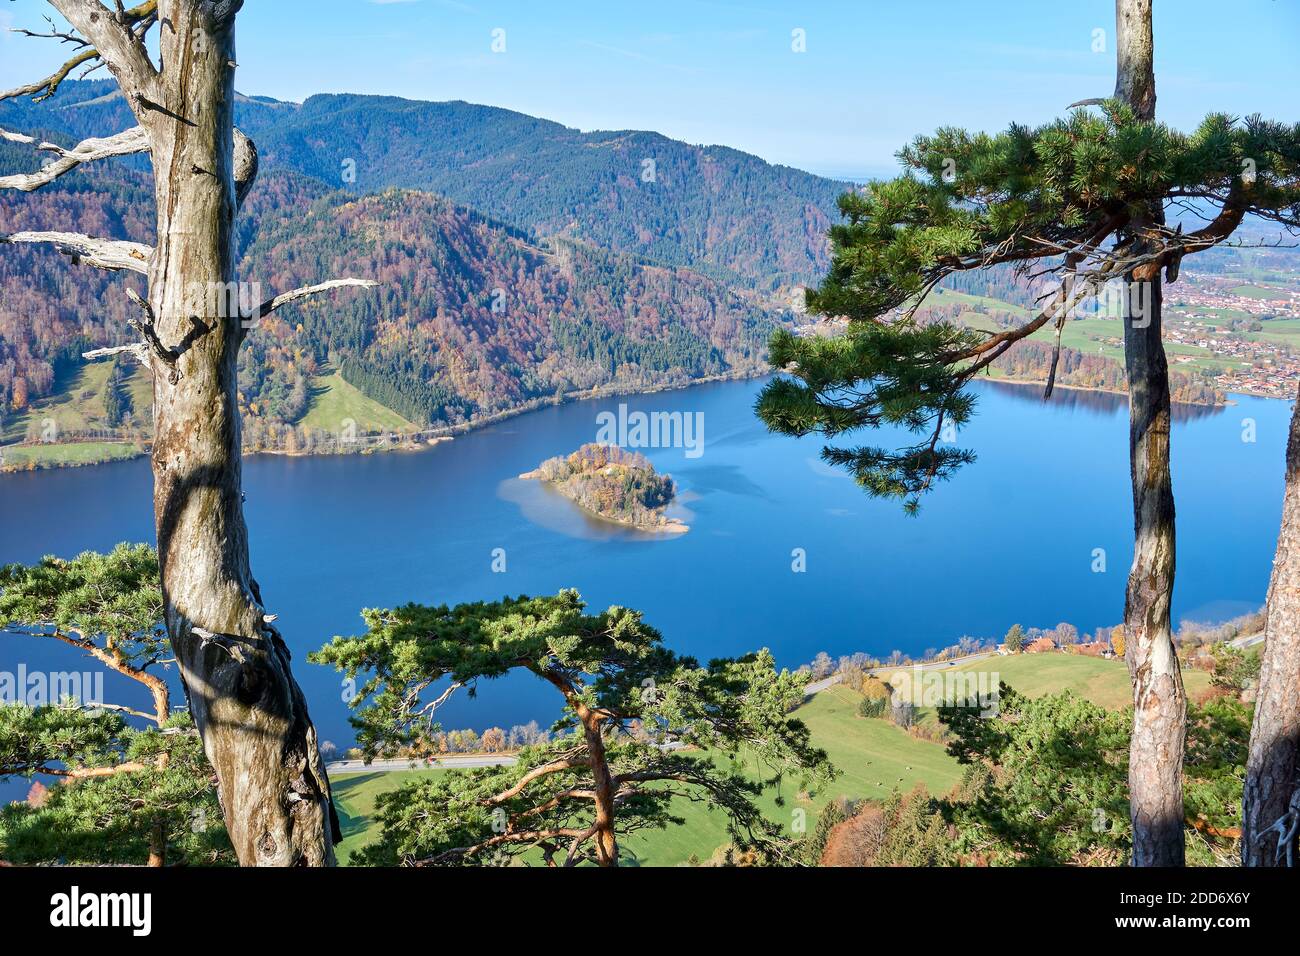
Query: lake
x=1010, y=539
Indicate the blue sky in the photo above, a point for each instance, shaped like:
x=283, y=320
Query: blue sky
x=874, y=73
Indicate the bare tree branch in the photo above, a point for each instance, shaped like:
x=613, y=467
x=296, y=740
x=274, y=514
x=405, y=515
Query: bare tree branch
x=44, y=89
x=137, y=350
x=116, y=41
x=246, y=165
x=126, y=143
x=123, y=29
x=285, y=298
x=111, y=254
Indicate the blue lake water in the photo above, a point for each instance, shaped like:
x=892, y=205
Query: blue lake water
x=1010, y=539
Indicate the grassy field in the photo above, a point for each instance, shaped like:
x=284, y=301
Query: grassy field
x=1104, y=682
x=76, y=406
x=1260, y=292
x=873, y=756
x=334, y=401
x=1095, y=336
x=950, y=297
x=354, y=798
x=74, y=453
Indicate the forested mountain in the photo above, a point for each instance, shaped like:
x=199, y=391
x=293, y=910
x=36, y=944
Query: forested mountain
x=577, y=282
x=623, y=260
x=472, y=317
x=718, y=210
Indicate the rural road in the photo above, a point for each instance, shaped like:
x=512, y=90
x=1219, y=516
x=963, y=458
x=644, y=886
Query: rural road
x=407, y=763
x=817, y=686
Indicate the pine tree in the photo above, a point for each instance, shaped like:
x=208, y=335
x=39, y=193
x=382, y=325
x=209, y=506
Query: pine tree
x=570, y=797
x=1015, y=639
x=125, y=793
x=1082, y=199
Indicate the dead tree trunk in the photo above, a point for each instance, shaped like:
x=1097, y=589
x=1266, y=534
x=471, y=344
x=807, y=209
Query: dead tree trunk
x=1159, y=704
x=245, y=702
x=1274, y=760
x=249, y=710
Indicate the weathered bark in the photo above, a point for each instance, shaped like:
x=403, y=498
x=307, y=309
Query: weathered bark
x=1160, y=706
x=603, y=787
x=1135, y=78
x=1271, y=768
x=1159, y=703
x=250, y=712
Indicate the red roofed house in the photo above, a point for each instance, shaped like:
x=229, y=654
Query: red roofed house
x=1093, y=649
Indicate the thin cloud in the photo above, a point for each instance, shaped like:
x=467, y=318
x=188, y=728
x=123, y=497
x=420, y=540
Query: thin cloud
x=636, y=55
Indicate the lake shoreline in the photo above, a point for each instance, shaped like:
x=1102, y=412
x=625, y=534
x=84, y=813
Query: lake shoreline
x=444, y=434
x=436, y=436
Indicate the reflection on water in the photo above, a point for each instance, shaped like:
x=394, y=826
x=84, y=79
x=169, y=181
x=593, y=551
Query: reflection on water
x=706, y=479
x=546, y=507
x=1102, y=403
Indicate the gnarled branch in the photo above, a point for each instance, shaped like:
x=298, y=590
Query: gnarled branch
x=126, y=143
x=137, y=350
x=246, y=165
x=117, y=41
x=111, y=254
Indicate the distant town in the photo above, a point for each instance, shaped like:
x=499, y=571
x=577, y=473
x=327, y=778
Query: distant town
x=1238, y=334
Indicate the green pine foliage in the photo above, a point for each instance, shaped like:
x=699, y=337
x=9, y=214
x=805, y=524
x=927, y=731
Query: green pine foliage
x=111, y=601
x=1047, y=785
x=1059, y=198
x=168, y=800
x=662, y=726
x=122, y=786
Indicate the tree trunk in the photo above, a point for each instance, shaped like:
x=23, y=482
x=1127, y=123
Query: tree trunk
x=603, y=785
x=252, y=715
x=1159, y=703
x=157, y=845
x=1271, y=768
x=1135, y=76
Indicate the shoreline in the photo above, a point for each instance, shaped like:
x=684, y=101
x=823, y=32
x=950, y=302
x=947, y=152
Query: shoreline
x=1119, y=393
x=432, y=438
x=668, y=526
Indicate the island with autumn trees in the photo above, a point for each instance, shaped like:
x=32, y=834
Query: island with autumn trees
x=614, y=484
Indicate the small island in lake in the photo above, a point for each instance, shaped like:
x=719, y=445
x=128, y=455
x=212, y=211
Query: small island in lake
x=613, y=484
